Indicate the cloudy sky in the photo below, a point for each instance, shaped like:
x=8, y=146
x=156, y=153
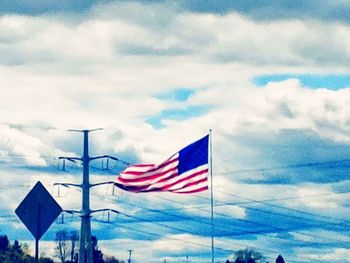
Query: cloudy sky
x=270, y=78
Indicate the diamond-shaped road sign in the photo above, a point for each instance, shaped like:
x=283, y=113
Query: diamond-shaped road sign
x=38, y=210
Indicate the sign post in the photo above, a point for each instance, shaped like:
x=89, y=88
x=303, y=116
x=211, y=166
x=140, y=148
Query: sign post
x=36, y=250
x=38, y=211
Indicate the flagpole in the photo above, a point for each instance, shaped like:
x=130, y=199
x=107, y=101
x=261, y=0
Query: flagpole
x=211, y=195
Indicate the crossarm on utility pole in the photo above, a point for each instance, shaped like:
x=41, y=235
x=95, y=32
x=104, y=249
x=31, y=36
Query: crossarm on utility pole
x=87, y=131
x=97, y=184
x=72, y=159
x=68, y=184
x=110, y=157
x=71, y=211
x=105, y=209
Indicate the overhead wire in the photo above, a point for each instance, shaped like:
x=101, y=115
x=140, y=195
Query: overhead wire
x=221, y=203
x=278, y=229
x=282, y=207
x=293, y=166
x=290, y=166
x=257, y=201
x=195, y=243
x=296, y=217
x=242, y=232
x=290, y=209
x=341, y=222
x=245, y=220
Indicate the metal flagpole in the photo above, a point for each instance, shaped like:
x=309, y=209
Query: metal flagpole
x=211, y=195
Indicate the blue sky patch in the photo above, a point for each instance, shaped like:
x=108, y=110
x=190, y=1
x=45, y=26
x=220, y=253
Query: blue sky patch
x=333, y=82
x=181, y=94
x=177, y=114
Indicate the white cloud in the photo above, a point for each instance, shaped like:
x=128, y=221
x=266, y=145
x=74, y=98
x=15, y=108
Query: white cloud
x=337, y=255
x=105, y=68
x=16, y=144
x=232, y=211
x=117, y=88
x=321, y=202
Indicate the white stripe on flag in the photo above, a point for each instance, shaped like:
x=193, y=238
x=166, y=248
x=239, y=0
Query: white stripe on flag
x=150, y=171
x=181, y=177
x=191, y=179
x=192, y=188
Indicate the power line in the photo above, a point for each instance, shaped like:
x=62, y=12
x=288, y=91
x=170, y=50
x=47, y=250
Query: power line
x=323, y=223
x=172, y=238
x=344, y=223
x=249, y=202
x=291, y=209
x=282, y=207
x=201, y=244
x=290, y=166
x=275, y=213
x=244, y=220
x=256, y=201
x=271, y=213
x=288, y=198
x=250, y=208
x=242, y=232
x=332, y=164
x=148, y=221
x=264, y=201
x=181, y=240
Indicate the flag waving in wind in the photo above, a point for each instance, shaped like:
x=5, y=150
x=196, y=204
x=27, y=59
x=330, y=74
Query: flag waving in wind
x=185, y=172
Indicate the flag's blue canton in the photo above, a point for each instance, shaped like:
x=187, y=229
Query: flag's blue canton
x=194, y=155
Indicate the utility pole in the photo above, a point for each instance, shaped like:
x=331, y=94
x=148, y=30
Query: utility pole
x=85, y=244
x=130, y=251
x=85, y=249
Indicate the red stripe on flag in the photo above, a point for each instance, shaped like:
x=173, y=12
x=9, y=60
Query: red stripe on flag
x=185, y=179
x=131, y=172
x=146, y=178
x=192, y=184
x=141, y=165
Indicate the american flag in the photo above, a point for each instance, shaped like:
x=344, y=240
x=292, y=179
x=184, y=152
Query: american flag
x=185, y=172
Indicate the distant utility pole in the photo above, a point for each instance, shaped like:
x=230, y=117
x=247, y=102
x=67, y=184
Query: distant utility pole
x=130, y=251
x=85, y=246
